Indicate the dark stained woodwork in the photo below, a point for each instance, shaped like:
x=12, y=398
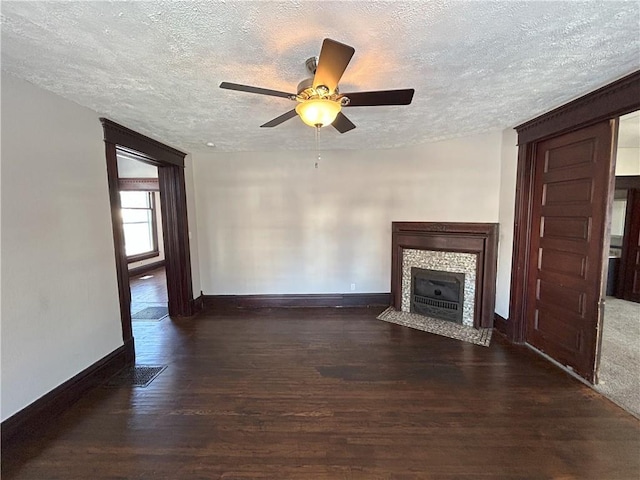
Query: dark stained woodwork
x=618, y=98
x=571, y=189
x=170, y=163
x=122, y=268
x=146, y=255
x=139, y=184
x=175, y=233
x=142, y=147
x=480, y=239
x=627, y=182
x=629, y=283
x=302, y=300
x=329, y=394
x=502, y=325
x=37, y=416
x=197, y=305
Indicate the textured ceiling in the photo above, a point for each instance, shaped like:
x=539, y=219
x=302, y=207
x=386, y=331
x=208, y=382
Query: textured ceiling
x=476, y=66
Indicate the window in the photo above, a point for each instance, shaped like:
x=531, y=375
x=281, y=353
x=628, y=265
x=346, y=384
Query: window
x=139, y=222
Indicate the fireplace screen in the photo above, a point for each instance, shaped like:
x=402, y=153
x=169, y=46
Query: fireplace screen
x=437, y=294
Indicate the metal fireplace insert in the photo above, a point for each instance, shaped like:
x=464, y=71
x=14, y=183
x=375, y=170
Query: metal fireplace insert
x=437, y=294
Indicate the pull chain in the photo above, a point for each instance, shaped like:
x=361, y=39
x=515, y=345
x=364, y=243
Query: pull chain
x=317, y=144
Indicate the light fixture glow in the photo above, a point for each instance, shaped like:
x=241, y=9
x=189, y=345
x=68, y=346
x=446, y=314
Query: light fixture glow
x=318, y=111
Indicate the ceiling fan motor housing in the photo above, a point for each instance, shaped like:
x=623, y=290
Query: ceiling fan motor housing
x=306, y=91
x=312, y=65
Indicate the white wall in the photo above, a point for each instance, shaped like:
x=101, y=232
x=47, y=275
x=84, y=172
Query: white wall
x=271, y=223
x=627, y=161
x=508, y=170
x=60, y=308
x=192, y=219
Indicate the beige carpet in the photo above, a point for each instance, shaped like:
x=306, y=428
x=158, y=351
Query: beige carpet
x=480, y=336
x=619, y=377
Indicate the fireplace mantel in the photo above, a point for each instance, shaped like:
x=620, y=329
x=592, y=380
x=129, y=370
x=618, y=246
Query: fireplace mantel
x=480, y=239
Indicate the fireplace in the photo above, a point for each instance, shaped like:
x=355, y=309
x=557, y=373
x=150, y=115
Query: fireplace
x=437, y=294
x=469, y=249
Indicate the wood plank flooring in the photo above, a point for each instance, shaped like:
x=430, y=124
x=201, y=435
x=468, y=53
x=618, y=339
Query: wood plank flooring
x=148, y=290
x=331, y=394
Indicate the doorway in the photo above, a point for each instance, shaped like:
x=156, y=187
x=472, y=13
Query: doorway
x=565, y=183
x=173, y=204
x=617, y=376
x=141, y=217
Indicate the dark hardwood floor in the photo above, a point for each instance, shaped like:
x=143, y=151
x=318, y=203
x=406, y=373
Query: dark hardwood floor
x=331, y=394
x=148, y=290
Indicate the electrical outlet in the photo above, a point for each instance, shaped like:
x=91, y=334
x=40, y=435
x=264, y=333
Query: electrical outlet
x=353, y=287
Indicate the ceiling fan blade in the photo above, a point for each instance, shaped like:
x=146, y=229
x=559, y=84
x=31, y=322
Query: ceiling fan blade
x=333, y=61
x=250, y=89
x=281, y=119
x=342, y=123
x=380, y=97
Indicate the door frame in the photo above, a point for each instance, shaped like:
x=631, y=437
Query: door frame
x=631, y=225
x=606, y=103
x=173, y=201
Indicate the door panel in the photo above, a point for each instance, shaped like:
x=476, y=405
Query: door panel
x=631, y=251
x=570, y=201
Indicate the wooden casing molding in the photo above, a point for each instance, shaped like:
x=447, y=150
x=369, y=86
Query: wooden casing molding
x=173, y=201
x=480, y=239
x=618, y=98
x=139, y=184
x=501, y=325
x=141, y=145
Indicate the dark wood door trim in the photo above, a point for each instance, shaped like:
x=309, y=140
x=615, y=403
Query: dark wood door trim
x=173, y=201
x=628, y=275
x=141, y=145
x=615, y=99
x=122, y=268
x=625, y=183
x=174, y=218
x=618, y=98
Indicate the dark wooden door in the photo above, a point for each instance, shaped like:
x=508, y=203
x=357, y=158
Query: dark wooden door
x=571, y=184
x=630, y=261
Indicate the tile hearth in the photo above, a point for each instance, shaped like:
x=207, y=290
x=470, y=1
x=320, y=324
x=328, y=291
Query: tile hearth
x=477, y=336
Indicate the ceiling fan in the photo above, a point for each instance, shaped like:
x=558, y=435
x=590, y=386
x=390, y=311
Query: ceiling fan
x=319, y=100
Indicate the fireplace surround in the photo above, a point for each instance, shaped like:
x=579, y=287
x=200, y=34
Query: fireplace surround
x=469, y=248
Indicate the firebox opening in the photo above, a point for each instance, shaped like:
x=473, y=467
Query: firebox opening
x=437, y=294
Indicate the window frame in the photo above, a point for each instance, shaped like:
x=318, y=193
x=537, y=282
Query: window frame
x=155, y=252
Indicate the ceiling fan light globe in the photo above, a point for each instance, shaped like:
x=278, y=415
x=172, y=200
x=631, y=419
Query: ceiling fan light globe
x=318, y=111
